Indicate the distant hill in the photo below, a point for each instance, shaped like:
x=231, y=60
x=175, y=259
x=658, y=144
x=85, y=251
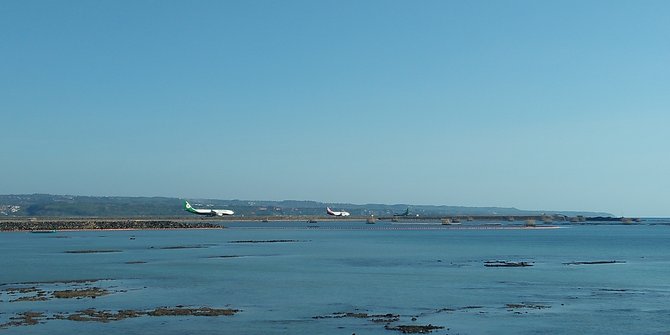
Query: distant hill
x=43, y=205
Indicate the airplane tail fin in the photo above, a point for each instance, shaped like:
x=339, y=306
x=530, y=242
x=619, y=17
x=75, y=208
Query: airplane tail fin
x=189, y=208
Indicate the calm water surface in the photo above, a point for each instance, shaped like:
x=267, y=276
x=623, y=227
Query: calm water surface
x=436, y=276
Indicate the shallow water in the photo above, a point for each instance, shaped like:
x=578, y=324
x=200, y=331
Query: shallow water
x=434, y=275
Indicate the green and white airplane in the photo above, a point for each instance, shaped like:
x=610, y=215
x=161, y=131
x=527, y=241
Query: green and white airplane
x=210, y=212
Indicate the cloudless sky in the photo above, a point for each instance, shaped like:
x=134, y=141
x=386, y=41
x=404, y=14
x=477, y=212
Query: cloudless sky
x=554, y=105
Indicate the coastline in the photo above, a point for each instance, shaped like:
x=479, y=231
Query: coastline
x=127, y=224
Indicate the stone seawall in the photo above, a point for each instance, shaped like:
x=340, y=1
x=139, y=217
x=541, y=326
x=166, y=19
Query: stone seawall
x=49, y=225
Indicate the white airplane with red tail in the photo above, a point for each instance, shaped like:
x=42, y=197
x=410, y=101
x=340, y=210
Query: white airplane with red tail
x=342, y=213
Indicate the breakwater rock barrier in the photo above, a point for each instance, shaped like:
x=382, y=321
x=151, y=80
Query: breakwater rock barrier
x=53, y=225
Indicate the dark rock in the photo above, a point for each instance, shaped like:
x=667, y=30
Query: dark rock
x=84, y=293
x=525, y=305
x=23, y=319
x=506, y=264
x=202, y=311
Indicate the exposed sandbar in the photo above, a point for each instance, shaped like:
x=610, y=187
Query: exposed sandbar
x=267, y=241
x=594, y=262
x=103, y=251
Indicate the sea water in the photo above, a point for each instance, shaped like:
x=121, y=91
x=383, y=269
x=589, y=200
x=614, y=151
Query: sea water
x=300, y=278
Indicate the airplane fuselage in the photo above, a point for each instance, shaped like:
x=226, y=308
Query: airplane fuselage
x=333, y=213
x=208, y=212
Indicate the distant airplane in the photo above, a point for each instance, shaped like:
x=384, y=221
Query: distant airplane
x=210, y=212
x=342, y=213
x=405, y=213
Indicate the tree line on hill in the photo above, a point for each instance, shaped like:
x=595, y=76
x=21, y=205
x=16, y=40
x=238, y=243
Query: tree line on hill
x=47, y=205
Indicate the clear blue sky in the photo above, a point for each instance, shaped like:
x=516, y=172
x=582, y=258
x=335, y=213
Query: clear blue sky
x=555, y=105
